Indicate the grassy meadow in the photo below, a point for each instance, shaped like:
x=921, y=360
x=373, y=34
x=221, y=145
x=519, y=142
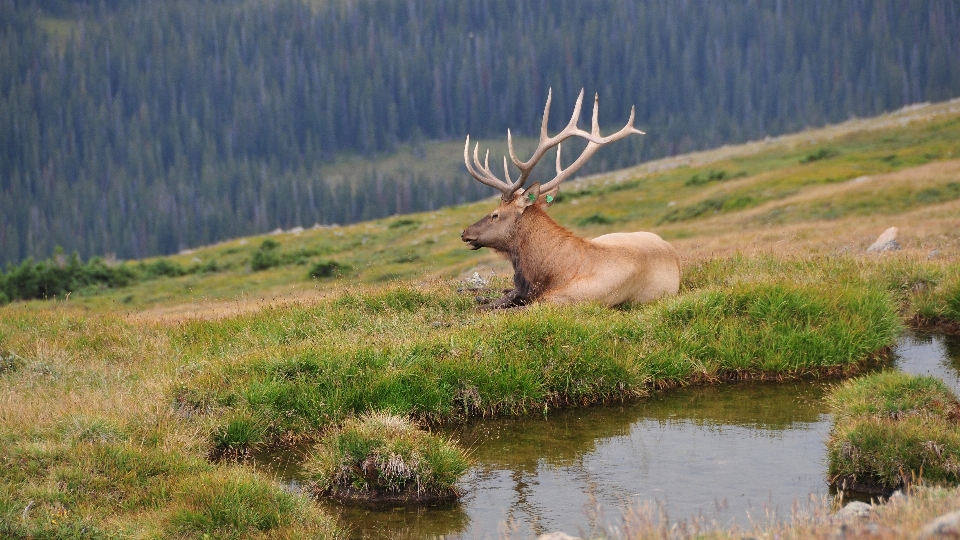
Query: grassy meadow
x=121, y=409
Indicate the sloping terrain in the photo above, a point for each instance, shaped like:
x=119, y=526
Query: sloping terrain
x=826, y=191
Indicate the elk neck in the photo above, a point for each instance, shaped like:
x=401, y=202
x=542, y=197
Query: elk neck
x=543, y=253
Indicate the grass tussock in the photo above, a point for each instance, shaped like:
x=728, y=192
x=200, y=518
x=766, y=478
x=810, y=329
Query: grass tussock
x=287, y=373
x=892, y=429
x=381, y=457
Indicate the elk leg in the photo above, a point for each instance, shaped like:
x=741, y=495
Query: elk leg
x=511, y=298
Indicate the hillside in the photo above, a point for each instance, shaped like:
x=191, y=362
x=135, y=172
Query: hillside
x=144, y=128
x=134, y=411
x=824, y=191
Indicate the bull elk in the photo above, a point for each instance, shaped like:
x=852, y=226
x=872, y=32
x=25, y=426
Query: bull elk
x=550, y=263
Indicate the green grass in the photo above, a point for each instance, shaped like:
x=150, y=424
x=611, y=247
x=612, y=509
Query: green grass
x=427, y=353
x=892, y=429
x=381, y=456
x=117, y=487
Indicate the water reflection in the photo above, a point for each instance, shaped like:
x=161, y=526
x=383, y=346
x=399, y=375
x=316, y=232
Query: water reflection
x=725, y=454
x=930, y=354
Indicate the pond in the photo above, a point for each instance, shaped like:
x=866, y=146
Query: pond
x=726, y=454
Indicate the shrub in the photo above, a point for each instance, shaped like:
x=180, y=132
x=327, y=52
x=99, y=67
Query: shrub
x=266, y=257
x=820, y=154
x=60, y=275
x=595, y=219
x=403, y=222
x=327, y=269
x=161, y=268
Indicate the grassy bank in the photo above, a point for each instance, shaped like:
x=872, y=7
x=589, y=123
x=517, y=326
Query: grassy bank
x=892, y=429
x=427, y=353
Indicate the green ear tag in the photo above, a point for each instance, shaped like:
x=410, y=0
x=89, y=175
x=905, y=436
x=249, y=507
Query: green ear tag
x=532, y=197
x=549, y=199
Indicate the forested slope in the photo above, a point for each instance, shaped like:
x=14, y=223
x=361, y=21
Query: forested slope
x=140, y=128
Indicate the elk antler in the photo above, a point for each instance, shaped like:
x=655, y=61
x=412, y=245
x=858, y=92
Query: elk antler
x=483, y=173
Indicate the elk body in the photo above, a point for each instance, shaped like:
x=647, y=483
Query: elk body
x=552, y=264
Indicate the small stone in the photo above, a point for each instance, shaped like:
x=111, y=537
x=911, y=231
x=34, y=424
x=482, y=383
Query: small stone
x=896, y=497
x=934, y=253
x=945, y=526
x=477, y=281
x=557, y=535
x=855, y=509
x=886, y=241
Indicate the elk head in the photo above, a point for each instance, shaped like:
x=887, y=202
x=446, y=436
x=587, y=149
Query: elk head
x=497, y=228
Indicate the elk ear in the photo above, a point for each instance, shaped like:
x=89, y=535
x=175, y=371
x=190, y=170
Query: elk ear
x=548, y=197
x=529, y=197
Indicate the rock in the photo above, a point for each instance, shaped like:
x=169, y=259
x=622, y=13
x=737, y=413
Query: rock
x=477, y=281
x=855, y=509
x=945, y=526
x=886, y=241
x=934, y=253
x=557, y=535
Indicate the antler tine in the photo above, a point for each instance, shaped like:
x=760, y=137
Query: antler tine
x=547, y=142
x=484, y=176
x=595, y=142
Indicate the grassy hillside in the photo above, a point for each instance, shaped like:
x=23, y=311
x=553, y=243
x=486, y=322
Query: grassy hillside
x=828, y=192
x=116, y=405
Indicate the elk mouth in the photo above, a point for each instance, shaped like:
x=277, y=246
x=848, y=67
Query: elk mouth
x=474, y=243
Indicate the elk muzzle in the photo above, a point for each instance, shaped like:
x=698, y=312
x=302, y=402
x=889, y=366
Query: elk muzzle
x=471, y=239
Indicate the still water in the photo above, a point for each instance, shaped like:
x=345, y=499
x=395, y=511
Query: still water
x=726, y=454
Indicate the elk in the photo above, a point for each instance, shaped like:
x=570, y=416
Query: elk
x=550, y=263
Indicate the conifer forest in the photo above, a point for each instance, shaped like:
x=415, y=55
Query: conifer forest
x=137, y=128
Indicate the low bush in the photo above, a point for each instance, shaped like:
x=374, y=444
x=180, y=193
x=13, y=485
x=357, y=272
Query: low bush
x=266, y=257
x=820, y=154
x=60, y=275
x=161, y=268
x=328, y=269
x=595, y=219
x=713, y=205
x=712, y=176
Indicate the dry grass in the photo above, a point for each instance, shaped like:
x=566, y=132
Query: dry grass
x=900, y=518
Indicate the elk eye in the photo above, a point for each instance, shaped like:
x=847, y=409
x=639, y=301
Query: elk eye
x=494, y=216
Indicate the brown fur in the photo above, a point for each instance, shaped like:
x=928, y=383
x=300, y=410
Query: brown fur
x=552, y=264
